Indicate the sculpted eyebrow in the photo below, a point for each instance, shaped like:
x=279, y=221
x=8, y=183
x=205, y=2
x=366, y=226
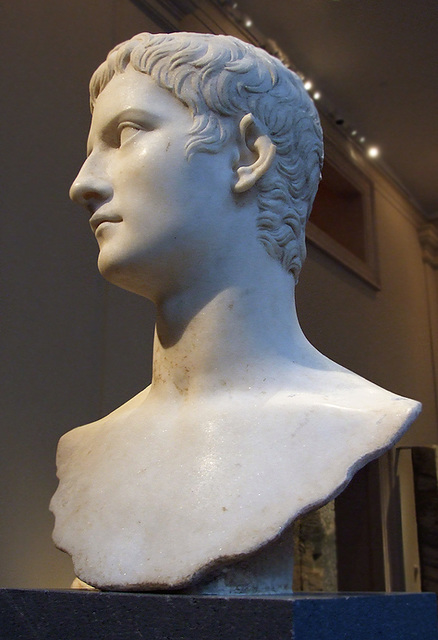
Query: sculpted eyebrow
x=144, y=118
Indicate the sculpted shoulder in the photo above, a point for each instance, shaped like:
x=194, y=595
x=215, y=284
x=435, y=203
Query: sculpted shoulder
x=82, y=440
x=338, y=391
x=308, y=394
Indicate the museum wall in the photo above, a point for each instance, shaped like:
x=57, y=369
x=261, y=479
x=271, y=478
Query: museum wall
x=383, y=334
x=55, y=306
x=73, y=348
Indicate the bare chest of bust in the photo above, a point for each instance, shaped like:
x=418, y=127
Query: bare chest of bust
x=149, y=498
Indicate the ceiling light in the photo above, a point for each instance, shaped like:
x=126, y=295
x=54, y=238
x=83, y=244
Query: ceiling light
x=362, y=140
x=373, y=152
x=248, y=23
x=308, y=85
x=316, y=95
x=354, y=132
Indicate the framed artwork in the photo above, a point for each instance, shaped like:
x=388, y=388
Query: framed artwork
x=342, y=220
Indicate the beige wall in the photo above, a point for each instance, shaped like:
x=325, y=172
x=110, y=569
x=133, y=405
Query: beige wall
x=73, y=348
x=57, y=344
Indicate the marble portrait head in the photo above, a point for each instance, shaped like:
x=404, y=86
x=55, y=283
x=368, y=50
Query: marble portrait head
x=226, y=84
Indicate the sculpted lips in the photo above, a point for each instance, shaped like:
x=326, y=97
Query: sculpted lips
x=99, y=217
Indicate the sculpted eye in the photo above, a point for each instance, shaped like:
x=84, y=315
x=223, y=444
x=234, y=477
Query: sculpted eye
x=126, y=131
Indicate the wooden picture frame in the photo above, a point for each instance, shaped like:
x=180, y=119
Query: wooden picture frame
x=342, y=220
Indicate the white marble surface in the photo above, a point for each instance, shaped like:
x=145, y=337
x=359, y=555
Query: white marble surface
x=245, y=424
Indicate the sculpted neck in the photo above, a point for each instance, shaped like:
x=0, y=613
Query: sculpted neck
x=230, y=333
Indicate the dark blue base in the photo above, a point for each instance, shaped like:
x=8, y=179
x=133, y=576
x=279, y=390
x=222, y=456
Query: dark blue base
x=82, y=615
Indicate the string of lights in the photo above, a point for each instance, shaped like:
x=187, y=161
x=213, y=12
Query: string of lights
x=371, y=150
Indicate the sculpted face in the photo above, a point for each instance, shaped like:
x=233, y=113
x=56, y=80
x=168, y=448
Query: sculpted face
x=155, y=214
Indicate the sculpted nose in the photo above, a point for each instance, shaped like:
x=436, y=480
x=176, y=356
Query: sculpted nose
x=89, y=189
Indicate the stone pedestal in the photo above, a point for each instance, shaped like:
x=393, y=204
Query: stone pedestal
x=267, y=571
x=77, y=615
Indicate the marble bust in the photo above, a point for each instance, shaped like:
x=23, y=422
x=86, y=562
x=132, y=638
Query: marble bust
x=204, y=157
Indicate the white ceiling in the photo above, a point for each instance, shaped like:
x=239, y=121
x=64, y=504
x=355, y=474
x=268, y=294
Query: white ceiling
x=376, y=64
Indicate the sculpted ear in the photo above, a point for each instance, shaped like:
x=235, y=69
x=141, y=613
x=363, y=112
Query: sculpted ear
x=256, y=146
